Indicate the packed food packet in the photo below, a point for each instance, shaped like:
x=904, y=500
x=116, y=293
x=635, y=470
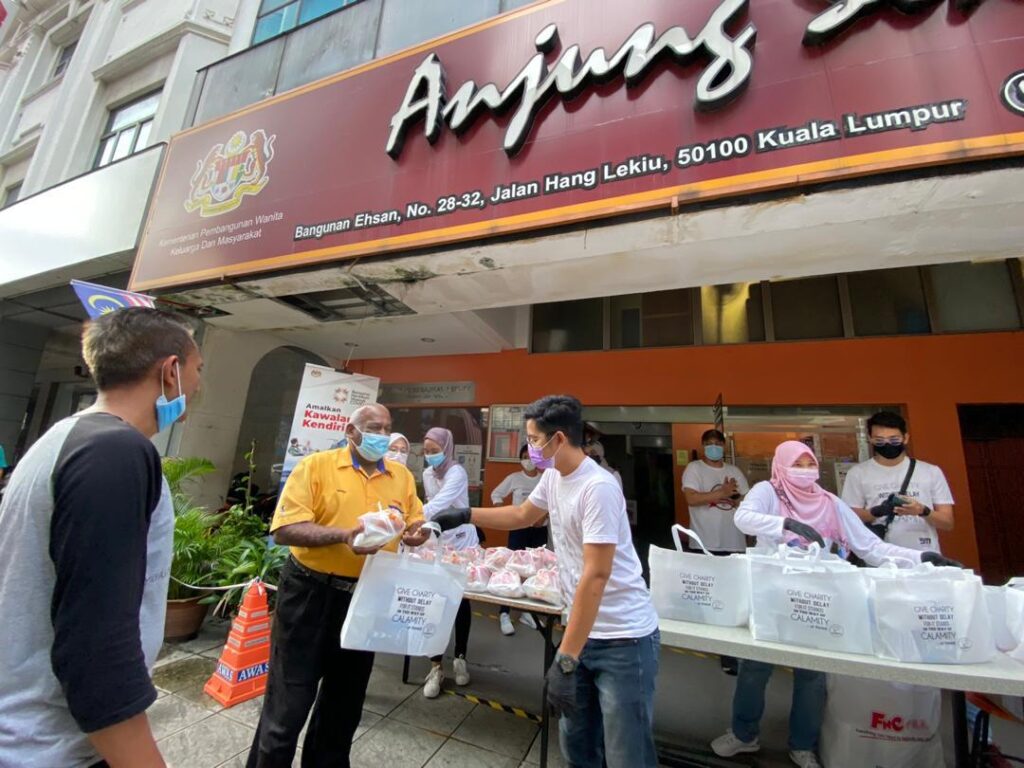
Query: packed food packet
x=544, y=587
x=496, y=557
x=522, y=562
x=473, y=554
x=454, y=557
x=543, y=557
x=505, y=583
x=478, y=577
x=379, y=528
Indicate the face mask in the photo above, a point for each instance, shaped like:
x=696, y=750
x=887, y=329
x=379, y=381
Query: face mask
x=889, y=451
x=714, y=452
x=528, y=465
x=401, y=458
x=168, y=412
x=803, y=477
x=434, y=459
x=372, y=447
x=537, y=455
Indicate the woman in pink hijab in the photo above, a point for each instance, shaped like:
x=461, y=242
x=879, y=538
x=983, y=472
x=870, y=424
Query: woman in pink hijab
x=792, y=508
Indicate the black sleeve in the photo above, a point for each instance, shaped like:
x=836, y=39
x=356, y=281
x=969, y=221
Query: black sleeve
x=106, y=484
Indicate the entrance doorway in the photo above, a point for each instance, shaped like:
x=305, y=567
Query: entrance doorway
x=993, y=438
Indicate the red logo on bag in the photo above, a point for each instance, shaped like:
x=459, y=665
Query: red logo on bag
x=880, y=722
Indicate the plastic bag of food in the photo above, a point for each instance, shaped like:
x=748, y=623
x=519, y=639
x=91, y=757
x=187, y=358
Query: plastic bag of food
x=505, y=583
x=454, y=557
x=544, y=587
x=543, y=557
x=478, y=577
x=473, y=554
x=497, y=557
x=379, y=528
x=522, y=562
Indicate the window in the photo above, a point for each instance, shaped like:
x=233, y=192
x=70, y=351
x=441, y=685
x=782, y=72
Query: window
x=732, y=313
x=568, y=326
x=973, y=297
x=887, y=302
x=128, y=129
x=64, y=59
x=277, y=16
x=12, y=194
x=807, y=309
x=658, y=319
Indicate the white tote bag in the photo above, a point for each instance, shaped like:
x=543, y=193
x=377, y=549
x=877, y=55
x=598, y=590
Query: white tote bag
x=880, y=724
x=1014, y=597
x=800, y=599
x=404, y=606
x=931, y=615
x=701, y=588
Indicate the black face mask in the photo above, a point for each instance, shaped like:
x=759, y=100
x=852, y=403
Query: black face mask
x=889, y=451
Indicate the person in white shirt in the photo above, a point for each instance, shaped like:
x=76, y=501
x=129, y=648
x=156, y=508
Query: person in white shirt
x=398, y=448
x=792, y=508
x=602, y=679
x=713, y=490
x=595, y=450
x=519, y=485
x=928, y=502
x=445, y=483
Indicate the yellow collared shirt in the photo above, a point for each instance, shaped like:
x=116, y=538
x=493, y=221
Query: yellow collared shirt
x=328, y=489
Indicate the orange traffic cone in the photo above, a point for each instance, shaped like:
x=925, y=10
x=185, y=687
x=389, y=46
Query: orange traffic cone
x=241, y=673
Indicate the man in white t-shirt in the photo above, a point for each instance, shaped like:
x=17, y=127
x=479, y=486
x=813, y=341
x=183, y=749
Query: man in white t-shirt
x=928, y=506
x=713, y=490
x=602, y=679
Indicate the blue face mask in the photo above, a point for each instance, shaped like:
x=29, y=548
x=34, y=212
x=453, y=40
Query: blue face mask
x=434, y=459
x=372, y=447
x=714, y=452
x=168, y=412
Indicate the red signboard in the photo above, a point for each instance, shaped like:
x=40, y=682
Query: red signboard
x=578, y=109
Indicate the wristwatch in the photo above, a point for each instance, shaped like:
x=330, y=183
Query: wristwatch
x=566, y=663
x=927, y=511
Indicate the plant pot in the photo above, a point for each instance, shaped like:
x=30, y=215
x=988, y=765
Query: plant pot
x=184, y=619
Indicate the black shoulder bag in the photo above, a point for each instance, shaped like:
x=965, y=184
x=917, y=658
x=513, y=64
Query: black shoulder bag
x=880, y=526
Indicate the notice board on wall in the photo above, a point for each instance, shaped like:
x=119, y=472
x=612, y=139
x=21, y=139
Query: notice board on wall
x=506, y=432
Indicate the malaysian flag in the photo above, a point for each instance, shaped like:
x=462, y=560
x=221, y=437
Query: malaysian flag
x=99, y=300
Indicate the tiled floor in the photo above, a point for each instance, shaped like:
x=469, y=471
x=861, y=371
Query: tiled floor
x=399, y=729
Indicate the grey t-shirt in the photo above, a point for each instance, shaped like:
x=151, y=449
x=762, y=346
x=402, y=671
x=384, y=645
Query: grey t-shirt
x=86, y=528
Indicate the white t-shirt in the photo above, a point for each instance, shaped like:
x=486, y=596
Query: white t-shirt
x=715, y=526
x=761, y=514
x=587, y=507
x=869, y=484
x=453, y=491
x=519, y=484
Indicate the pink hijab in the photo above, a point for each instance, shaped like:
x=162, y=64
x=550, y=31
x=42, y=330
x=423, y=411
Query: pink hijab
x=814, y=505
x=444, y=438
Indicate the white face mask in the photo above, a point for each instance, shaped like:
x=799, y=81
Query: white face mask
x=528, y=465
x=399, y=456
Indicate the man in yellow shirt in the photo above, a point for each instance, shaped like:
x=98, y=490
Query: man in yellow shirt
x=317, y=517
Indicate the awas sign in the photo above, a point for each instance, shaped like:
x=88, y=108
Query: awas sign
x=576, y=109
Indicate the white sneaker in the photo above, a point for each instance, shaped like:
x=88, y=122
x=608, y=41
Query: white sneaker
x=506, y=625
x=527, y=620
x=461, y=672
x=432, y=685
x=729, y=745
x=804, y=758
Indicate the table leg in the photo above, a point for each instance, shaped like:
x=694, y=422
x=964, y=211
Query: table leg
x=961, y=745
x=545, y=710
x=405, y=670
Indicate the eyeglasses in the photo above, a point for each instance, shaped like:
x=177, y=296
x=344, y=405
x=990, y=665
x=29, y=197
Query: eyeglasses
x=537, y=441
x=887, y=441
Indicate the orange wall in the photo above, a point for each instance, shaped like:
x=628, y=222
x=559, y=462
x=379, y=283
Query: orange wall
x=928, y=375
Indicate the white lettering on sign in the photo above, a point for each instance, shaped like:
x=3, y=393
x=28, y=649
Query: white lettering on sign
x=724, y=77
x=841, y=14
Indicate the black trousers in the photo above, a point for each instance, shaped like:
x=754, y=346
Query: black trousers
x=306, y=654
x=463, y=620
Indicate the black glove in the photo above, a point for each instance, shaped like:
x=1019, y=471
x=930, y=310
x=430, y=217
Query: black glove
x=561, y=690
x=936, y=559
x=452, y=517
x=803, y=530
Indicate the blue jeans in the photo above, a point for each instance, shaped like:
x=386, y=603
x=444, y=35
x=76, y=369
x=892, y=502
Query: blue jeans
x=614, y=719
x=805, y=714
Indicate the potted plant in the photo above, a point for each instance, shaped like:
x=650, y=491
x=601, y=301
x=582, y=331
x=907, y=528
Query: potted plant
x=196, y=548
